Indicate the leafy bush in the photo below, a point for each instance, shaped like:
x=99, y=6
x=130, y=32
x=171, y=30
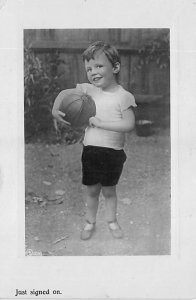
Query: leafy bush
x=41, y=86
x=40, y=90
x=157, y=51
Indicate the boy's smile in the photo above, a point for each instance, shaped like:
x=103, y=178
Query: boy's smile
x=100, y=71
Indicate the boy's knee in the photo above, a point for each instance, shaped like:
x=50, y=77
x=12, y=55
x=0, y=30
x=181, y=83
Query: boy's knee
x=109, y=191
x=93, y=191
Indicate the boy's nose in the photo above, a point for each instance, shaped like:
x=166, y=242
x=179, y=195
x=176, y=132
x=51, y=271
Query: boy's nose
x=94, y=71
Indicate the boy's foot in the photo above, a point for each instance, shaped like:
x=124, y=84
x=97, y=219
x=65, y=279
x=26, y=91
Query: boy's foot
x=87, y=231
x=115, y=229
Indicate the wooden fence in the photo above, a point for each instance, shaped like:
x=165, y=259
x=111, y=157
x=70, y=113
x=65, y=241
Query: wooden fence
x=147, y=83
x=150, y=79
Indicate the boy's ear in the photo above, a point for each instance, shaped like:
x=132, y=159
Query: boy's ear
x=116, y=68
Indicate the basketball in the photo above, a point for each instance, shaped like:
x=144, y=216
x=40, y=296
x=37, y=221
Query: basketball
x=78, y=108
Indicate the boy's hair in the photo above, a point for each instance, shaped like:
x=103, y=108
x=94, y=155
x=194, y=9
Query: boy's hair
x=110, y=52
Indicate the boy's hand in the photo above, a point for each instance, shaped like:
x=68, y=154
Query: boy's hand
x=94, y=122
x=58, y=115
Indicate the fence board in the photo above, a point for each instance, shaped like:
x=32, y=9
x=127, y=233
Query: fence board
x=72, y=42
x=81, y=70
x=124, y=72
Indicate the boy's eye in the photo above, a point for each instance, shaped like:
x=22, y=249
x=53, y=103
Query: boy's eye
x=99, y=66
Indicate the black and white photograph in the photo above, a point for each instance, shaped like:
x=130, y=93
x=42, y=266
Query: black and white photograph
x=97, y=149
x=100, y=183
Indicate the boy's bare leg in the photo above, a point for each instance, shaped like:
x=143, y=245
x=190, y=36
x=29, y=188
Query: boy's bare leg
x=109, y=193
x=92, y=201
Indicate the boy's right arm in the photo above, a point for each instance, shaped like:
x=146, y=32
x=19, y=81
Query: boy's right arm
x=57, y=114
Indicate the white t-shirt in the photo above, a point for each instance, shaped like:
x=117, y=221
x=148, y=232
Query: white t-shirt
x=109, y=107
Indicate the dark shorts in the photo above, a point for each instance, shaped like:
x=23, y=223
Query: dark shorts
x=102, y=165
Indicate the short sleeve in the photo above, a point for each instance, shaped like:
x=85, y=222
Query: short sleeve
x=127, y=101
x=83, y=87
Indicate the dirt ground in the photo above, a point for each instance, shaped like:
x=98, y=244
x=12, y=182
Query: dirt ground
x=55, y=200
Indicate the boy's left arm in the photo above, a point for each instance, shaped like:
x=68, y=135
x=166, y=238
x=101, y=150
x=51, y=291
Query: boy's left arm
x=126, y=124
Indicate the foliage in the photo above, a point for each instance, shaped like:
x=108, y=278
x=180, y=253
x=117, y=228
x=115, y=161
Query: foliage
x=41, y=86
x=157, y=51
x=40, y=90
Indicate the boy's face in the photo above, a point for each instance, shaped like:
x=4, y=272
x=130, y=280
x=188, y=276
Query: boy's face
x=100, y=71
